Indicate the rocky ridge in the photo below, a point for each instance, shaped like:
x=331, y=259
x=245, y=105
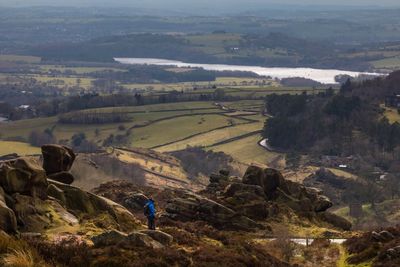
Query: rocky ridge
x=39, y=199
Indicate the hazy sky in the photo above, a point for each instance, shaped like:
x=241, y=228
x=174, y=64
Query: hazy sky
x=210, y=7
x=195, y=3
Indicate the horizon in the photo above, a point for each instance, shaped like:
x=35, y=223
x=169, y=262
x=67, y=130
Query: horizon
x=218, y=6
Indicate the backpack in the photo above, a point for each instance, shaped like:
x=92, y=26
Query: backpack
x=146, y=210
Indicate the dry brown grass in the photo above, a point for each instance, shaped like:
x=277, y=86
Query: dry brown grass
x=19, y=258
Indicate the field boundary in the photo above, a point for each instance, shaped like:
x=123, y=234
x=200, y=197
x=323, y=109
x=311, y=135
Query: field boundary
x=197, y=134
x=233, y=139
x=132, y=150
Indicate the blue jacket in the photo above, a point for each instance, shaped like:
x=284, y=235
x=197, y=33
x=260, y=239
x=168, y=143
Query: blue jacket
x=152, y=209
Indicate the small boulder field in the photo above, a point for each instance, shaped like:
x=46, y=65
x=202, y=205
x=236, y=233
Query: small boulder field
x=47, y=221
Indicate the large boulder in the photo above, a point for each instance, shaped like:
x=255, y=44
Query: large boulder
x=139, y=239
x=109, y=238
x=136, y=239
x=335, y=220
x=295, y=195
x=57, y=158
x=24, y=176
x=268, y=179
x=161, y=237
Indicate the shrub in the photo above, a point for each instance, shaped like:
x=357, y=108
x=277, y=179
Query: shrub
x=68, y=252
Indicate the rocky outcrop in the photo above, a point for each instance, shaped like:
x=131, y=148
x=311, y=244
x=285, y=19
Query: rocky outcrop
x=31, y=201
x=382, y=236
x=81, y=202
x=109, y=238
x=24, y=176
x=262, y=194
x=163, y=238
x=194, y=207
x=147, y=239
x=391, y=253
x=57, y=162
x=8, y=221
x=335, y=220
x=268, y=179
x=298, y=197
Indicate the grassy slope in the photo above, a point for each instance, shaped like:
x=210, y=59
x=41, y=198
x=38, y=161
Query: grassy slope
x=23, y=128
x=176, y=129
x=210, y=138
x=9, y=147
x=17, y=58
x=392, y=115
x=389, y=209
x=171, y=129
x=247, y=150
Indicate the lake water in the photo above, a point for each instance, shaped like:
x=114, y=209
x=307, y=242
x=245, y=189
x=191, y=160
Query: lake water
x=326, y=76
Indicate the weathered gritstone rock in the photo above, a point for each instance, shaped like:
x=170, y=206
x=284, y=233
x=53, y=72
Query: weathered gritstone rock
x=268, y=179
x=147, y=239
x=298, y=197
x=159, y=236
x=242, y=190
x=392, y=253
x=382, y=236
x=142, y=240
x=193, y=207
x=24, y=176
x=79, y=202
x=30, y=202
x=136, y=201
x=8, y=221
x=335, y=220
x=57, y=158
x=109, y=238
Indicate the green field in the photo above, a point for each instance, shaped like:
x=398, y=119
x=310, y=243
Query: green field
x=220, y=82
x=387, y=210
x=138, y=115
x=228, y=45
x=77, y=70
x=391, y=63
x=10, y=147
x=167, y=127
x=248, y=151
x=213, y=137
x=20, y=59
x=177, y=129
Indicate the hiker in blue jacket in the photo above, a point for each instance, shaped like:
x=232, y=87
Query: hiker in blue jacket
x=150, y=213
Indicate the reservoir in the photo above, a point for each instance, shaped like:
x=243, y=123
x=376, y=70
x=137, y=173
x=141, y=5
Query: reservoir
x=325, y=76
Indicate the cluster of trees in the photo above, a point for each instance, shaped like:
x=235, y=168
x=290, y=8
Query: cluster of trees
x=39, y=138
x=345, y=124
x=105, y=49
x=150, y=73
x=196, y=160
x=287, y=51
x=56, y=106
